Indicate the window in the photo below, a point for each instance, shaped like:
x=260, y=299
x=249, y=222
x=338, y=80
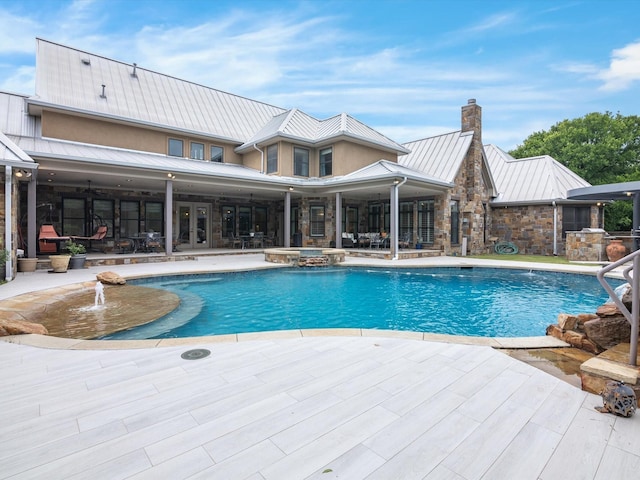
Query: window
x=175, y=147
x=197, y=151
x=350, y=219
x=228, y=221
x=294, y=224
x=406, y=219
x=301, y=162
x=326, y=155
x=272, y=158
x=317, y=221
x=154, y=216
x=455, y=222
x=217, y=154
x=73, y=217
x=129, y=218
x=426, y=210
x=575, y=219
x=374, y=217
x=103, y=214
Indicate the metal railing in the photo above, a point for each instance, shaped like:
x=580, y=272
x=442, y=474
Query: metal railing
x=634, y=280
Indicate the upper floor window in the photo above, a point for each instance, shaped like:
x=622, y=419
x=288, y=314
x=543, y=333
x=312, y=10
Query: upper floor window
x=176, y=147
x=197, y=151
x=272, y=158
x=217, y=154
x=301, y=162
x=326, y=156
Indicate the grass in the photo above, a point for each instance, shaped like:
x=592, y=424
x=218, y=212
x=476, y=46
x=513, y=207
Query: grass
x=561, y=260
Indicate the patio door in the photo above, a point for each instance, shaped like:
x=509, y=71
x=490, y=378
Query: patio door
x=193, y=225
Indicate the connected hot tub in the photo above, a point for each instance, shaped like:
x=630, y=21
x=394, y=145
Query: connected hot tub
x=305, y=256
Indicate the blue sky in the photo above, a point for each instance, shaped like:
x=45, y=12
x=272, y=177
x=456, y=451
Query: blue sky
x=404, y=67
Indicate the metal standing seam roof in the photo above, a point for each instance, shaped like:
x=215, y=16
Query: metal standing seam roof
x=386, y=169
x=530, y=180
x=297, y=125
x=440, y=156
x=73, y=79
x=12, y=154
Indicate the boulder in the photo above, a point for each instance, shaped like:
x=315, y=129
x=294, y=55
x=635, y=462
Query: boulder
x=567, y=322
x=608, y=310
x=585, y=317
x=19, y=327
x=110, y=278
x=608, y=332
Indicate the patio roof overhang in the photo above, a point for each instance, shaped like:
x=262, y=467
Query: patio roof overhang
x=610, y=191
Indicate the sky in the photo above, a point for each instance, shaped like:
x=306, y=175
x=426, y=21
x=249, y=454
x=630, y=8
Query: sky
x=403, y=67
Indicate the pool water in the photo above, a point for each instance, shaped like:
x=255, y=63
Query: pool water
x=459, y=301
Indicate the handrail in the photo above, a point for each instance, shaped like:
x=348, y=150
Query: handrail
x=634, y=280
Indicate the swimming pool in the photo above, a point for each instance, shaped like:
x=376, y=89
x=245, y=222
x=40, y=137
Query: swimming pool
x=487, y=302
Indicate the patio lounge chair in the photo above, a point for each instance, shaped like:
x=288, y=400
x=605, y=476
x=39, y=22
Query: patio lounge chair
x=49, y=241
x=99, y=235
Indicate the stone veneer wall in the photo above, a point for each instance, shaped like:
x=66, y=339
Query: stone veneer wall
x=530, y=227
x=586, y=246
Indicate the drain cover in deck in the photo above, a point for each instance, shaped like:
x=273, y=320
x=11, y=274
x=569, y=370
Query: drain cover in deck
x=195, y=354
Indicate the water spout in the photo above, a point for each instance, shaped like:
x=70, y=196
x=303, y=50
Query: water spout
x=99, y=293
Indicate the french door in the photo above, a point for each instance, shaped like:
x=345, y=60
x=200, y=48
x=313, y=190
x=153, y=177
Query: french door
x=193, y=225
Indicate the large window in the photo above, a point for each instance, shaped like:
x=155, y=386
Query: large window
x=176, y=147
x=245, y=224
x=272, y=158
x=375, y=213
x=295, y=223
x=455, y=222
x=73, y=217
x=301, y=162
x=426, y=211
x=197, y=151
x=317, y=221
x=326, y=155
x=260, y=220
x=406, y=220
x=154, y=216
x=217, y=154
x=350, y=219
x=575, y=219
x=129, y=218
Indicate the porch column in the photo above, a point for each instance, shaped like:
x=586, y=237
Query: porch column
x=168, y=218
x=393, y=227
x=8, y=222
x=32, y=242
x=287, y=219
x=338, y=217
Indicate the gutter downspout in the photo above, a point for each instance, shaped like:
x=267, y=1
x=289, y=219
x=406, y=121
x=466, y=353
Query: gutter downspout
x=555, y=228
x=255, y=145
x=395, y=227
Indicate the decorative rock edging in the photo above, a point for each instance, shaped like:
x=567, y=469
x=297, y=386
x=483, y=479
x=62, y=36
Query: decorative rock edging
x=305, y=256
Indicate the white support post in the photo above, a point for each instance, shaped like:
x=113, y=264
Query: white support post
x=168, y=218
x=287, y=219
x=8, y=223
x=338, y=220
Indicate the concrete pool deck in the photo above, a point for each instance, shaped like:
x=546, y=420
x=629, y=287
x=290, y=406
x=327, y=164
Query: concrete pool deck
x=295, y=405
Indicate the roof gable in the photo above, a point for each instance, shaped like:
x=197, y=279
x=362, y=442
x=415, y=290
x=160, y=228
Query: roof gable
x=530, y=180
x=73, y=79
x=440, y=156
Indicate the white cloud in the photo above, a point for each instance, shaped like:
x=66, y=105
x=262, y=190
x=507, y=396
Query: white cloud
x=21, y=80
x=624, y=68
x=16, y=33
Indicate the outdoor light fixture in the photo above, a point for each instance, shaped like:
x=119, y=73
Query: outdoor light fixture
x=291, y=189
x=23, y=173
x=171, y=175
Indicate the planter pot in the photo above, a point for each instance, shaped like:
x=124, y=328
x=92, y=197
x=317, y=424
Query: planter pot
x=77, y=261
x=418, y=246
x=616, y=250
x=59, y=263
x=27, y=264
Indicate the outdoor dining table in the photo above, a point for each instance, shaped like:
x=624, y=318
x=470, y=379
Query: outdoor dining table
x=140, y=242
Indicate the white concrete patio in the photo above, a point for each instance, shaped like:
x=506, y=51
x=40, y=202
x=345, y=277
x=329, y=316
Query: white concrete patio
x=278, y=406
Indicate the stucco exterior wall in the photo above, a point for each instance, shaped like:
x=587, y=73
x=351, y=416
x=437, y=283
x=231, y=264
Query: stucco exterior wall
x=349, y=157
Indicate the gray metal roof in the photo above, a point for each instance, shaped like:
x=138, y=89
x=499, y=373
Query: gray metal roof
x=440, y=156
x=73, y=79
x=11, y=154
x=13, y=116
x=298, y=126
x=530, y=180
x=388, y=169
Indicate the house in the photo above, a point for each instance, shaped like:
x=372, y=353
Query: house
x=102, y=142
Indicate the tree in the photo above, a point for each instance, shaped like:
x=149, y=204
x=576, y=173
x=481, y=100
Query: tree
x=600, y=147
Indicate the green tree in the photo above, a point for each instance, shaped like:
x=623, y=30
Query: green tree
x=600, y=147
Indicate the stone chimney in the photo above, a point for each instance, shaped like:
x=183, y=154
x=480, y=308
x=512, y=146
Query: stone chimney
x=472, y=118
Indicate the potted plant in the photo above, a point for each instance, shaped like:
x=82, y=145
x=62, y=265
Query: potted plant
x=26, y=264
x=78, y=254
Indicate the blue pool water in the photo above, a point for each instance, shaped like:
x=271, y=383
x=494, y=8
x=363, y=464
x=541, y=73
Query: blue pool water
x=460, y=301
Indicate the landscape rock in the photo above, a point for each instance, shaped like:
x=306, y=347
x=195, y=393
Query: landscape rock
x=110, y=278
x=567, y=322
x=19, y=327
x=608, y=332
